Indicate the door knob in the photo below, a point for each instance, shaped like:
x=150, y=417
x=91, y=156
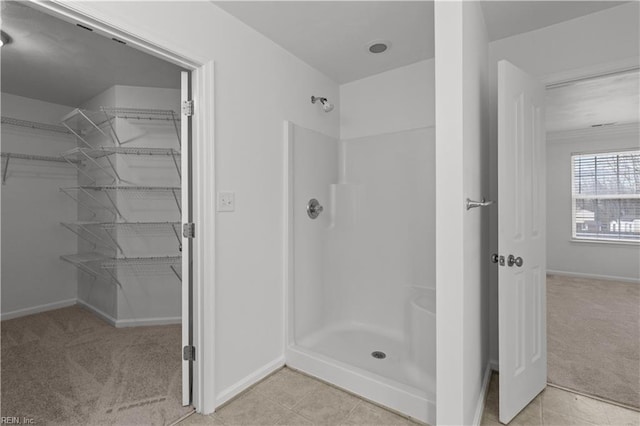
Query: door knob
x=314, y=208
x=512, y=260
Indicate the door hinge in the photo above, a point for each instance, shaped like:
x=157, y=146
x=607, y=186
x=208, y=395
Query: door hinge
x=189, y=230
x=189, y=353
x=187, y=108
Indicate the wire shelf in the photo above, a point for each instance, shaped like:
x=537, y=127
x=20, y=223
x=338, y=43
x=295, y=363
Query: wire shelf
x=132, y=188
x=80, y=154
x=141, y=113
x=112, y=207
x=110, y=150
x=35, y=125
x=14, y=155
x=142, y=261
x=141, y=264
x=104, y=234
x=56, y=159
x=86, y=261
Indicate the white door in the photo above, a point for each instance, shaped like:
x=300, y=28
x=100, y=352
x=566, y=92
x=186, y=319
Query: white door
x=521, y=240
x=185, y=151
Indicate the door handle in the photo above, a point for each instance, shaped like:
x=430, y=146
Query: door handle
x=512, y=260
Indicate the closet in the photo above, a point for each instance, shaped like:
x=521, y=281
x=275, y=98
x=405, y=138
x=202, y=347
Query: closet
x=91, y=240
x=107, y=174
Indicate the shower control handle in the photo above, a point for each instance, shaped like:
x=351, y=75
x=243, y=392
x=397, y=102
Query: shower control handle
x=314, y=208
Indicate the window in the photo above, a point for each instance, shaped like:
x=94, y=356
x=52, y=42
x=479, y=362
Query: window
x=606, y=196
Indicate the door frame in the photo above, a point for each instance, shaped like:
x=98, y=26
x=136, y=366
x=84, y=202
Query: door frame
x=202, y=173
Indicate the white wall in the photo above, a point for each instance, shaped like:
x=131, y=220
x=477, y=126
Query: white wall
x=461, y=170
x=593, y=40
x=34, y=277
x=258, y=86
x=605, y=260
x=400, y=99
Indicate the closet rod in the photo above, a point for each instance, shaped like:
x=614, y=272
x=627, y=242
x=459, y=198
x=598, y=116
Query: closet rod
x=34, y=125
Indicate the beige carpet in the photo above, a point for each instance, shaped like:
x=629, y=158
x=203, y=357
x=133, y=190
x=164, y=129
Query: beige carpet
x=593, y=330
x=68, y=367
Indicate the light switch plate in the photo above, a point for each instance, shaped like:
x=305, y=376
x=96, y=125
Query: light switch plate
x=226, y=201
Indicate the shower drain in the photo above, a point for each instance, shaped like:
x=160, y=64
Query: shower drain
x=378, y=355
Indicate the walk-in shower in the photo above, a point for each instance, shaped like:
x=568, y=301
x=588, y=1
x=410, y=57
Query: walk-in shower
x=361, y=279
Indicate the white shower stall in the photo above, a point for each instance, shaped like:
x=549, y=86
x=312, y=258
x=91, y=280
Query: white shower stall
x=361, y=279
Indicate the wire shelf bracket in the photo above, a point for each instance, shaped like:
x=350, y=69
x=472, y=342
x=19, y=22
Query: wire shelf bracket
x=82, y=261
x=79, y=227
x=86, y=122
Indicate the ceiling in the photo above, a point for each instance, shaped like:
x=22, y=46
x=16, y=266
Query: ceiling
x=593, y=102
x=508, y=18
x=332, y=36
x=57, y=61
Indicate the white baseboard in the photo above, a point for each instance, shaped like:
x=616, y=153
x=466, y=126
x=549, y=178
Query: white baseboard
x=482, y=398
x=108, y=318
x=593, y=276
x=148, y=321
x=37, y=309
x=122, y=323
x=249, y=380
x=493, y=364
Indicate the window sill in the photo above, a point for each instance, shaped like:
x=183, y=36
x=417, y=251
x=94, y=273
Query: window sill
x=604, y=242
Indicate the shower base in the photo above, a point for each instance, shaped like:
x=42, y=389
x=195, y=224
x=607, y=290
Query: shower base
x=342, y=355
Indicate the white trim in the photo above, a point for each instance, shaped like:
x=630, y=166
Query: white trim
x=288, y=271
x=37, y=309
x=593, y=276
x=578, y=135
x=106, y=317
x=611, y=242
x=482, y=398
x=249, y=380
x=204, y=217
x=591, y=71
x=123, y=323
x=494, y=365
x=75, y=12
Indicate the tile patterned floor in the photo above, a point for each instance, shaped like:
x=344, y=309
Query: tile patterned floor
x=557, y=407
x=291, y=398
